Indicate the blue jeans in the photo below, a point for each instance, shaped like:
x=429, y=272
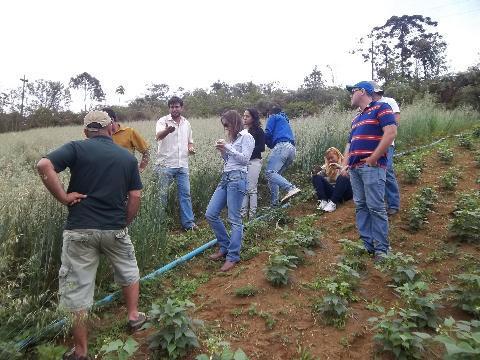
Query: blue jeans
x=229, y=192
x=392, y=193
x=166, y=177
x=280, y=159
x=368, y=185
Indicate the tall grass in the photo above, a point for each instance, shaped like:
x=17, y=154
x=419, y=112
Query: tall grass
x=31, y=220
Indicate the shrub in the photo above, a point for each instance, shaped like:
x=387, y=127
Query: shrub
x=423, y=202
x=278, y=268
x=445, y=154
x=465, y=141
x=393, y=260
x=333, y=309
x=397, y=335
x=345, y=274
x=246, y=291
x=460, y=338
x=450, y=179
x=421, y=307
x=224, y=354
x=465, y=224
x=411, y=173
x=119, y=350
x=175, y=336
x=476, y=157
x=405, y=274
x=467, y=293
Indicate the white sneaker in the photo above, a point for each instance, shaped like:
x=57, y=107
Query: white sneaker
x=330, y=207
x=290, y=194
x=321, y=204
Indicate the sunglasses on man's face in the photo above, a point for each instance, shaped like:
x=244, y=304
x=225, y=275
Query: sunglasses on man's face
x=354, y=90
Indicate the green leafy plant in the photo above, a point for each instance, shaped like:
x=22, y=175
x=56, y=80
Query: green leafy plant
x=48, y=351
x=176, y=329
x=252, y=310
x=345, y=274
x=333, y=309
x=466, y=293
x=449, y=180
x=304, y=354
x=476, y=157
x=445, y=154
x=411, y=172
x=405, y=274
x=465, y=224
x=119, y=350
x=246, y=291
x=224, y=354
x=465, y=141
x=476, y=131
x=290, y=247
x=269, y=319
x=421, y=306
x=423, y=202
x=393, y=260
x=397, y=335
x=460, y=338
x=278, y=267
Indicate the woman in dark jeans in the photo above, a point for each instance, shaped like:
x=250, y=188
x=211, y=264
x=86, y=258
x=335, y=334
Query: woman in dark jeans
x=331, y=187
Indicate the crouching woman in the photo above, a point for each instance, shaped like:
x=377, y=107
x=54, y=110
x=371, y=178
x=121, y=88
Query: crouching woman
x=331, y=187
x=236, y=152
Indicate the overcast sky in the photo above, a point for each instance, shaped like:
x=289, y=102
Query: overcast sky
x=194, y=43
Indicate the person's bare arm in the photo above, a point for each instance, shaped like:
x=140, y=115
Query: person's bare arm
x=344, y=169
x=162, y=134
x=389, y=134
x=52, y=182
x=133, y=204
x=144, y=161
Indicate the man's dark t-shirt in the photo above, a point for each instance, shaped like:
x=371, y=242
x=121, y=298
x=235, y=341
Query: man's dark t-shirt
x=104, y=172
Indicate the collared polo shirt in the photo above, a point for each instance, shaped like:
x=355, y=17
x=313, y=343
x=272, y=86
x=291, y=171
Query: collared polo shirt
x=105, y=173
x=130, y=139
x=172, y=151
x=367, y=131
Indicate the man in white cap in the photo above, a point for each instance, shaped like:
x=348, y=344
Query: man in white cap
x=392, y=192
x=103, y=198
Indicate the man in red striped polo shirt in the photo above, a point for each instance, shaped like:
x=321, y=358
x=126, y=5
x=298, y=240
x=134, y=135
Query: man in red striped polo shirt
x=373, y=130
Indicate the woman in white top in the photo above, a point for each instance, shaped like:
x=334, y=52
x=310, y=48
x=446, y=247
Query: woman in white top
x=236, y=152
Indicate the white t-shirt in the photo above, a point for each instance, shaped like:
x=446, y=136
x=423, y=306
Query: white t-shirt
x=172, y=150
x=393, y=104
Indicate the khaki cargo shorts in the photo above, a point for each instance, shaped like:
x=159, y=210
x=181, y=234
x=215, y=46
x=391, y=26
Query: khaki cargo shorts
x=80, y=258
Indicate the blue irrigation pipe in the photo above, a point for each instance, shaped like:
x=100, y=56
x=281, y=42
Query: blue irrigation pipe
x=59, y=324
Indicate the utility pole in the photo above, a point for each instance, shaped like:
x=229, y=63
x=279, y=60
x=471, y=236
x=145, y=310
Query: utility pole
x=24, y=80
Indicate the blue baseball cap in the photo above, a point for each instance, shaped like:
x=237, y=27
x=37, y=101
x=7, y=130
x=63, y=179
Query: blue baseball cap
x=365, y=85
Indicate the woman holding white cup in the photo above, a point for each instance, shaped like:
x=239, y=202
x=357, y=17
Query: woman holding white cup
x=236, y=152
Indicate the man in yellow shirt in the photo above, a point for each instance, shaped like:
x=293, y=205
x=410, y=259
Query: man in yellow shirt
x=130, y=139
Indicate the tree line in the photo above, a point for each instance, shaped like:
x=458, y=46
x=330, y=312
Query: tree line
x=406, y=53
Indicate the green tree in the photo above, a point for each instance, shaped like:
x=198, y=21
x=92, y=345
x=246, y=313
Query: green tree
x=314, y=81
x=51, y=95
x=120, y=90
x=405, y=47
x=90, y=85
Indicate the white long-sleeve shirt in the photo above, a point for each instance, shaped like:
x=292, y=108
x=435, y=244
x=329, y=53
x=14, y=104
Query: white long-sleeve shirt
x=172, y=150
x=237, y=154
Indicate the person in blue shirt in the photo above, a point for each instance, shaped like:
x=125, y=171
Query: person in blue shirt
x=279, y=137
